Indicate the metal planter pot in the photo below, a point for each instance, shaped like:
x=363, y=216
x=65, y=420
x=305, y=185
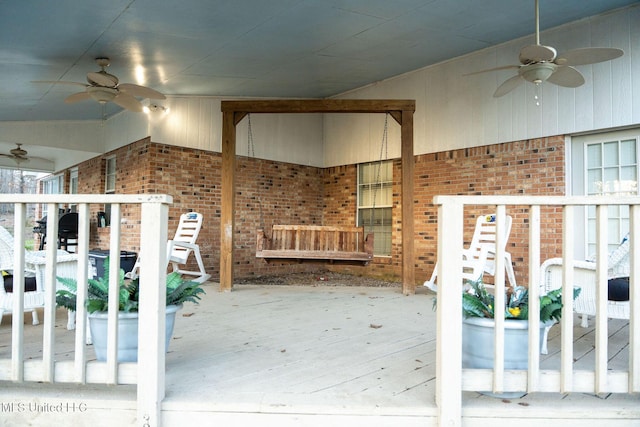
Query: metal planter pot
x=127, y=333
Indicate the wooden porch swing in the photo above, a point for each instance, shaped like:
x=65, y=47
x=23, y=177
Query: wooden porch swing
x=321, y=243
x=315, y=243
x=304, y=243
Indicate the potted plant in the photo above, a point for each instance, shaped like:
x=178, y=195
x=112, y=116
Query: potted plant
x=178, y=292
x=478, y=327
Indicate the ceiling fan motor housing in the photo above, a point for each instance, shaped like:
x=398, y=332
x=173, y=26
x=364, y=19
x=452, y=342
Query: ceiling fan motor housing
x=538, y=73
x=102, y=94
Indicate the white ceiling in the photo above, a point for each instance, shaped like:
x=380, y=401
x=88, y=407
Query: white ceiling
x=254, y=48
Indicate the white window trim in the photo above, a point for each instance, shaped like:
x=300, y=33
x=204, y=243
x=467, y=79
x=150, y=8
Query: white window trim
x=576, y=149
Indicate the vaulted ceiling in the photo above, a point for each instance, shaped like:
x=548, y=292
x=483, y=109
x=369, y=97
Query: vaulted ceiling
x=255, y=48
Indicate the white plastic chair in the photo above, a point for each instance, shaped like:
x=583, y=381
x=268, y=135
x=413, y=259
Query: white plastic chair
x=181, y=246
x=66, y=266
x=479, y=258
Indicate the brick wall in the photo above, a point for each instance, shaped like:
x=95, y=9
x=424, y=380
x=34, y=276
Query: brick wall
x=269, y=192
x=532, y=167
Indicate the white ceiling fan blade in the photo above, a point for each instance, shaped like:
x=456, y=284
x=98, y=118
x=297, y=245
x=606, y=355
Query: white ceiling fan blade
x=102, y=78
x=566, y=77
x=128, y=102
x=536, y=53
x=77, y=97
x=589, y=55
x=57, y=82
x=141, y=91
x=504, y=67
x=508, y=86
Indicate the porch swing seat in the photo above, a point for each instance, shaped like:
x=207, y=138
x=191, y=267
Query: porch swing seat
x=315, y=243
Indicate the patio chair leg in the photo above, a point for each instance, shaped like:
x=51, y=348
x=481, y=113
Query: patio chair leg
x=71, y=320
x=585, y=321
x=431, y=283
x=545, y=337
x=34, y=317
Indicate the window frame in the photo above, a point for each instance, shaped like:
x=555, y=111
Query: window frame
x=579, y=180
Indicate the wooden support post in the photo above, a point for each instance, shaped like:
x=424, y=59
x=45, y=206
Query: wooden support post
x=408, y=270
x=228, y=200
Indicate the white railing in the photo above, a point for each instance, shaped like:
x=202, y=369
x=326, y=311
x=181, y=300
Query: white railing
x=452, y=379
x=149, y=376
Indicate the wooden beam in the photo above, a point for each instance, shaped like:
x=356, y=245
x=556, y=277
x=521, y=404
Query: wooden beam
x=234, y=111
x=228, y=200
x=408, y=271
x=319, y=106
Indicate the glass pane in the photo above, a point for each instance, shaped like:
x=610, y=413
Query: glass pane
x=111, y=166
x=628, y=179
x=386, y=174
x=610, y=153
x=386, y=195
x=594, y=182
x=111, y=183
x=628, y=152
x=364, y=196
x=594, y=158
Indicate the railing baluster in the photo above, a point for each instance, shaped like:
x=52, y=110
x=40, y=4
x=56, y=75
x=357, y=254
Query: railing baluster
x=602, y=334
x=498, y=370
x=566, y=345
x=17, y=339
x=114, y=292
x=534, y=298
x=81, y=280
x=48, y=353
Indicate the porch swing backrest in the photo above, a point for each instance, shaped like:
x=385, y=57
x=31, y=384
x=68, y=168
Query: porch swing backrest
x=315, y=242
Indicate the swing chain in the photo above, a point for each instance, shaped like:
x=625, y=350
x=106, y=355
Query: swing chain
x=251, y=150
x=251, y=153
x=384, y=148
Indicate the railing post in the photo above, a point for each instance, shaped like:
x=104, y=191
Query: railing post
x=449, y=308
x=634, y=300
x=151, y=343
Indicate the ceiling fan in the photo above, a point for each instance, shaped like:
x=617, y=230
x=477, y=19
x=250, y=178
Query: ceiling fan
x=18, y=154
x=104, y=87
x=539, y=63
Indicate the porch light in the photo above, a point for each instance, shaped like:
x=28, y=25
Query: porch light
x=155, y=108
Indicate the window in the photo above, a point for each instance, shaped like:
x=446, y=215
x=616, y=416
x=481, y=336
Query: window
x=73, y=185
x=110, y=175
x=605, y=164
x=51, y=185
x=109, y=185
x=375, y=198
x=612, y=169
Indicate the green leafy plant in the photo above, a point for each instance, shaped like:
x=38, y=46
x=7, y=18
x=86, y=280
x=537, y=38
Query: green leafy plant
x=479, y=302
x=178, y=292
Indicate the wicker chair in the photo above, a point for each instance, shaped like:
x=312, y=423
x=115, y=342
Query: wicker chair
x=584, y=276
x=66, y=266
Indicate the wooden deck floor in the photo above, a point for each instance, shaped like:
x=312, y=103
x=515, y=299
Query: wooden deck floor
x=302, y=355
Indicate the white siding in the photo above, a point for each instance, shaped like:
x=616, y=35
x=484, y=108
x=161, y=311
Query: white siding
x=457, y=111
